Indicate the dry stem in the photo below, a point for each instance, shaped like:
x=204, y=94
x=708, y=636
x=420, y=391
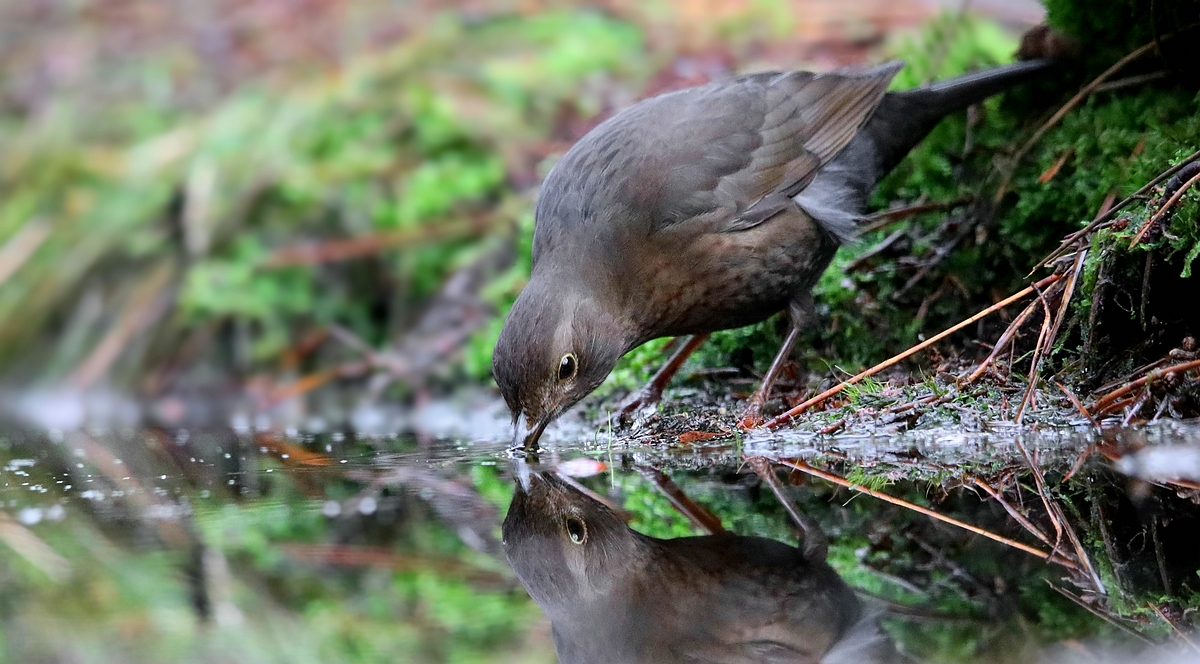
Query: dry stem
x=820, y=398
x=841, y=481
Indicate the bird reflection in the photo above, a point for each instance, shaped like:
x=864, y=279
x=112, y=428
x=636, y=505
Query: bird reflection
x=616, y=596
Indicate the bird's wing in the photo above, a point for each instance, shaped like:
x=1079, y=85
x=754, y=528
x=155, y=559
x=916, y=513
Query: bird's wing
x=717, y=158
x=744, y=149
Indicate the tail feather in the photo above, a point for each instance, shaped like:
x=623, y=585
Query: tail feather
x=837, y=195
x=904, y=118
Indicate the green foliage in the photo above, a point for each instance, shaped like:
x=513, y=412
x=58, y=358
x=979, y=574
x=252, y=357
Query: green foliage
x=652, y=512
x=410, y=140
x=1110, y=30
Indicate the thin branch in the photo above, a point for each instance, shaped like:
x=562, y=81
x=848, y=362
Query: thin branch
x=1112, y=211
x=1099, y=614
x=1108, y=399
x=1031, y=386
x=1166, y=207
x=1002, y=342
x=1078, y=405
x=699, y=515
x=1012, y=511
x=815, y=544
x=820, y=398
x=841, y=481
x=1083, y=93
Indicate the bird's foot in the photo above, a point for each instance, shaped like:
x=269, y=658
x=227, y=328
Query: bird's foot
x=752, y=417
x=644, y=398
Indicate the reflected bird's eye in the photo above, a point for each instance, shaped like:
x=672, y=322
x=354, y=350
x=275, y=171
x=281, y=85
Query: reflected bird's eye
x=576, y=530
x=567, y=367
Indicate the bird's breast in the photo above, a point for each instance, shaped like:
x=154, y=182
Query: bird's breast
x=715, y=281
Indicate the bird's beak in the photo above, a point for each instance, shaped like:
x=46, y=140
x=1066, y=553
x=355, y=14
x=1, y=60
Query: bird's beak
x=528, y=441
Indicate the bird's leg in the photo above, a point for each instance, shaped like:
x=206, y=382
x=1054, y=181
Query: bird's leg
x=813, y=541
x=799, y=313
x=653, y=390
x=752, y=416
x=698, y=514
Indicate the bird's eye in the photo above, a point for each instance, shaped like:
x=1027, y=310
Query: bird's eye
x=576, y=530
x=567, y=367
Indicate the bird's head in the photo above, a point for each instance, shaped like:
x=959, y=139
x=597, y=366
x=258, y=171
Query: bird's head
x=567, y=549
x=556, y=346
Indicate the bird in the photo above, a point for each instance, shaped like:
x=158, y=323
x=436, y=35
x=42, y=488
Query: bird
x=615, y=596
x=704, y=209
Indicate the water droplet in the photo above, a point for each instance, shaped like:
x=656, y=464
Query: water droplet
x=30, y=516
x=367, y=505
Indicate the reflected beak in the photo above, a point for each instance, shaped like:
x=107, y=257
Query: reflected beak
x=527, y=441
x=521, y=470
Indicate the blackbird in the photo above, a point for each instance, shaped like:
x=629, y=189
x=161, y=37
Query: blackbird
x=705, y=209
x=615, y=596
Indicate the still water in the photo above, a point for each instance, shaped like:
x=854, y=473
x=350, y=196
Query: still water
x=249, y=544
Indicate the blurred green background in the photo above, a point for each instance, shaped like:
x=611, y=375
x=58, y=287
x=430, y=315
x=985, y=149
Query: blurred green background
x=273, y=198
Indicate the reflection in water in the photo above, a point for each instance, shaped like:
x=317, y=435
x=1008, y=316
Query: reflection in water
x=614, y=595
x=263, y=546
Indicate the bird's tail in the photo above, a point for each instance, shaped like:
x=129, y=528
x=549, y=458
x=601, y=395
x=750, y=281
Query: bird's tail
x=904, y=118
x=839, y=192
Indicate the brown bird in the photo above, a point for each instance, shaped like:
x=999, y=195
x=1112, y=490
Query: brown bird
x=615, y=596
x=705, y=209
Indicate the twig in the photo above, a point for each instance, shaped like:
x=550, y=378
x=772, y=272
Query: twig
x=1044, y=346
x=1048, y=174
x=1175, y=627
x=879, y=247
x=833, y=427
x=306, y=384
x=699, y=515
x=884, y=218
x=147, y=304
x=1112, y=211
x=815, y=545
x=1067, y=108
x=1099, y=614
x=1068, y=293
x=1043, y=494
x=1027, y=399
x=1114, y=407
x=820, y=398
x=1059, y=519
x=1166, y=207
x=1130, y=81
x=1078, y=405
x=1130, y=376
x=1012, y=511
x=1136, y=407
x=35, y=551
x=357, y=247
x=841, y=481
x=1002, y=342
x=1108, y=399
